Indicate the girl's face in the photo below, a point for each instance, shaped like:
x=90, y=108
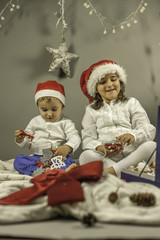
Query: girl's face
x=109, y=87
x=50, y=111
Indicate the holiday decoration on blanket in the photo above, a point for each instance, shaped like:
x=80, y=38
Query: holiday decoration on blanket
x=57, y=162
x=29, y=136
x=47, y=155
x=131, y=19
x=139, y=199
x=113, y=146
x=38, y=171
x=61, y=57
x=143, y=199
x=66, y=185
x=113, y=197
x=89, y=220
x=48, y=161
x=11, y=5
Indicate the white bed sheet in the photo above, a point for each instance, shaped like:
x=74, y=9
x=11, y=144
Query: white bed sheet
x=96, y=201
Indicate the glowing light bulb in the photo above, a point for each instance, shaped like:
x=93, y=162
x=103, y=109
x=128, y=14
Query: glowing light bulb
x=105, y=31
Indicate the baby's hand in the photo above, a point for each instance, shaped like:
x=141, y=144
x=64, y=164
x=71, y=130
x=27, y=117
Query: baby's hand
x=63, y=151
x=126, y=138
x=19, y=136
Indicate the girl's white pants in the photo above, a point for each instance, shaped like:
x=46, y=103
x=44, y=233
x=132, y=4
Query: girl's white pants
x=142, y=153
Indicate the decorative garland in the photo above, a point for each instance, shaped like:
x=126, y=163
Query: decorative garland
x=127, y=22
x=12, y=5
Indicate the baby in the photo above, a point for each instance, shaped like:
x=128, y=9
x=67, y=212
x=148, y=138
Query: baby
x=49, y=130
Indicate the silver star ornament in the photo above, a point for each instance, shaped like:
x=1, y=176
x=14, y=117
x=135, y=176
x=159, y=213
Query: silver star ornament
x=61, y=58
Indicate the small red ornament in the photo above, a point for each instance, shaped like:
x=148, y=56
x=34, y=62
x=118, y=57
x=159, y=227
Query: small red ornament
x=29, y=136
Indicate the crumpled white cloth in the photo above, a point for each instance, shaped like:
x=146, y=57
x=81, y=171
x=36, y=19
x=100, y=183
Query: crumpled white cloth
x=96, y=202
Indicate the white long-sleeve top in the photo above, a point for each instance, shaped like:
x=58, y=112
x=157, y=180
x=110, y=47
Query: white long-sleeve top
x=114, y=119
x=51, y=134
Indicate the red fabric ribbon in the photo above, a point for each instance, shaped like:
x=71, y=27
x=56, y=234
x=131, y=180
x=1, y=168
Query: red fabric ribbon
x=59, y=185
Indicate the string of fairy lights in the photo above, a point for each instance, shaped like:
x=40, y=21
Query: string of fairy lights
x=10, y=6
x=130, y=20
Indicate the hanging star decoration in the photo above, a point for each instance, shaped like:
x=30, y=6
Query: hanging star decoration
x=61, y=57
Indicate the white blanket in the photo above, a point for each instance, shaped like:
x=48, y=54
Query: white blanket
x=96, y=201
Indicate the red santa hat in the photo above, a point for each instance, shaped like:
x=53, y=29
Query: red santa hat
x=96, y=72
x=50, y=89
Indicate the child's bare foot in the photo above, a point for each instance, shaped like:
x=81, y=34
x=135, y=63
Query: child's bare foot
x=111, y=171
x=153, y=164
x=73, y=165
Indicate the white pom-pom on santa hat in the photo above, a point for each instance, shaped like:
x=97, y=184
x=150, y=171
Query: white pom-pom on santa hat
x=50, y=89
x=96, y=72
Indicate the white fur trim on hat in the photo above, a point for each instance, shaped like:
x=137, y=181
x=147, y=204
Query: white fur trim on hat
x=50, y=93
x=100, y=72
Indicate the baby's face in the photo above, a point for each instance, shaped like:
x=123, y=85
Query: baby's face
x=50, y=111
x=109, y=87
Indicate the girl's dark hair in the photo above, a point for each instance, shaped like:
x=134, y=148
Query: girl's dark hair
x=98, y=101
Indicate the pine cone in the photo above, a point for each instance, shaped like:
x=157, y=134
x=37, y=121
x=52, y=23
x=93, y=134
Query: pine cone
x=143, y=199
x=89, y=220
x=113, y=197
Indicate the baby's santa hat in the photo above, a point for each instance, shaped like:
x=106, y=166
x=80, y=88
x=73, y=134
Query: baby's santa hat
x=50, y=89
x=96, y=72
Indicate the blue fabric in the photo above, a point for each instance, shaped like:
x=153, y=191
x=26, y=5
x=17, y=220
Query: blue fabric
x=25, y=164
x=68, y=161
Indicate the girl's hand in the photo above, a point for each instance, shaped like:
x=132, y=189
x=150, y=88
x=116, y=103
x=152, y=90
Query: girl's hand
x=19, y=136
x=126, y=138
x=63, y=151
x=101, y=149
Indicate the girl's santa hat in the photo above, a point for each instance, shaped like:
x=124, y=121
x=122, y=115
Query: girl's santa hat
x=50, y=89
x=96, y=72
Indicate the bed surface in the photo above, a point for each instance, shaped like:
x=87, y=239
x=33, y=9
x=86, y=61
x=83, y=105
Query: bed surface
x=70, y=229
x=122, y=220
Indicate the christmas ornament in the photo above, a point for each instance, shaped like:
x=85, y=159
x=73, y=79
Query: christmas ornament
x=29, y=137
x=61, y=57
x=57, y=162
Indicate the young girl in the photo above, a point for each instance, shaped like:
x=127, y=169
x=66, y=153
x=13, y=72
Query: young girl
x=49, y=130
x=110, y=117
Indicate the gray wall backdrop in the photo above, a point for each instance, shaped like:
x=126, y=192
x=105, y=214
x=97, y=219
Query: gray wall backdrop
x=24, y=61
